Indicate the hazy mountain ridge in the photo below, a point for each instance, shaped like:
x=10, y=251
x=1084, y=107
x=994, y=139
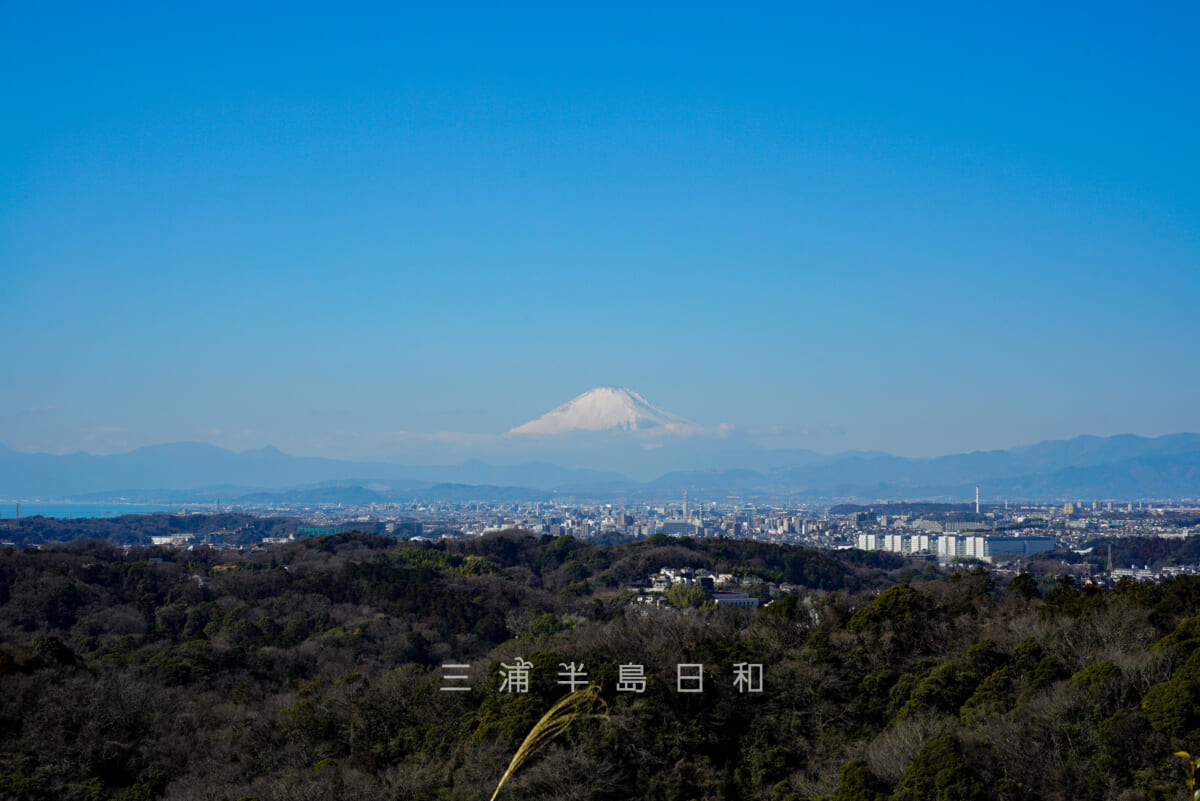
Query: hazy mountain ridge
x=1124, y=466
x=190, y=466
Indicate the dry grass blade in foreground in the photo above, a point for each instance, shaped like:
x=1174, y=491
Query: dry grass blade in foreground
x=569, y=710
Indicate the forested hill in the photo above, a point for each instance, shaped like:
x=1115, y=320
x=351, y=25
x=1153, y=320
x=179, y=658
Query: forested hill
x=229, y=528
x=314, y=670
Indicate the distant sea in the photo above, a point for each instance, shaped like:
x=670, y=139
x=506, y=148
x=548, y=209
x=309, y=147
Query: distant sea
x=8, y=510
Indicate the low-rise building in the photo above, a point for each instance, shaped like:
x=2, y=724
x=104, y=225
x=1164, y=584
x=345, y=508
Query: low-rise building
x=734, y=599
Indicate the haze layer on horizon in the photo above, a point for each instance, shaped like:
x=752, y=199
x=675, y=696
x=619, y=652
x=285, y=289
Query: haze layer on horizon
x=869, y=227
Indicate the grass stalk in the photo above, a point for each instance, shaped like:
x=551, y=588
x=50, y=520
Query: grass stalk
x=569, y=710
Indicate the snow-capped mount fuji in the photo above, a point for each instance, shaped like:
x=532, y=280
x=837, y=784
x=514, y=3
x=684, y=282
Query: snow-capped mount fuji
x=607, y=409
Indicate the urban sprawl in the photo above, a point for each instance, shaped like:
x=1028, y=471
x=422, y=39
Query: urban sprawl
x=998, y=537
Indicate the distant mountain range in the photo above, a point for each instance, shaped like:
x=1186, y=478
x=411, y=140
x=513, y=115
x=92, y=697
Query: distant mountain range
x=208, y=471
x=1124, y=467
x=1166, y=476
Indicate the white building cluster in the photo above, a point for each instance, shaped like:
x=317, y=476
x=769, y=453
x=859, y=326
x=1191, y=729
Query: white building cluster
x=949, y=547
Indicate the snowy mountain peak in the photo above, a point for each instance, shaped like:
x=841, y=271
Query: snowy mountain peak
x=606, y=409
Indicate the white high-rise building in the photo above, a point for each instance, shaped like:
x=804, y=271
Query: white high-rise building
x=975, y=547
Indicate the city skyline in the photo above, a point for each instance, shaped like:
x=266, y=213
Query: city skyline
x=864, y=228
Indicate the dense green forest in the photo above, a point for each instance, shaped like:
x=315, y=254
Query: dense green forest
x=313, y=671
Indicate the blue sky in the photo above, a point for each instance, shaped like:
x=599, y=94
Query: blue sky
x=918, y=228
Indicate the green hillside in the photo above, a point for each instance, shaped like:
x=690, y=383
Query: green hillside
x=315, y=670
